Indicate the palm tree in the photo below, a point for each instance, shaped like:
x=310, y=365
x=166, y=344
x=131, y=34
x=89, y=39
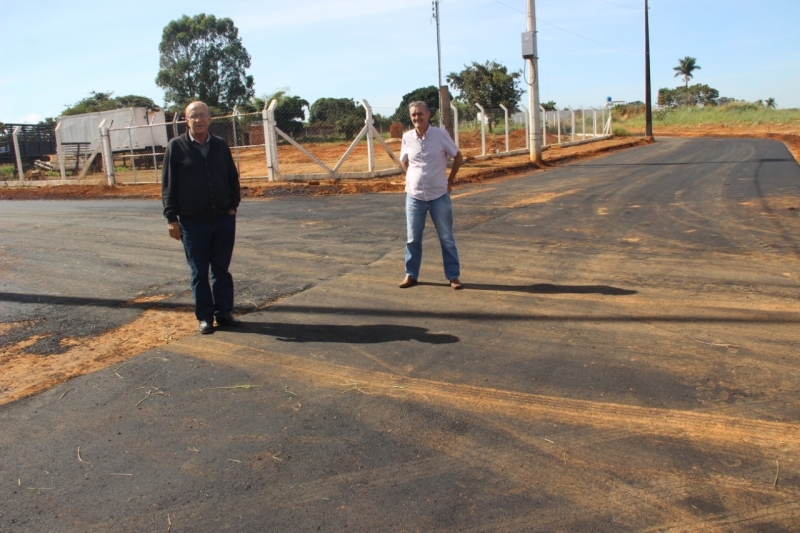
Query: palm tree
x=685, y=68
x=771, y=103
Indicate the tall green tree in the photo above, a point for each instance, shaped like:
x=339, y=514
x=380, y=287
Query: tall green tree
x=327, y=110
x=686, y=66
x=770, y=103
x=343, y=114
x=203, y=58
x=106, y=101
x=428, y=94
x=489, y=84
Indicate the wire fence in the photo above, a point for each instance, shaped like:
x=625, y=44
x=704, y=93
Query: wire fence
x=356, y=142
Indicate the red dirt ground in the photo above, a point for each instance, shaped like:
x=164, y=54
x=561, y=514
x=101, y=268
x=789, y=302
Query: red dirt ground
x=292, y=161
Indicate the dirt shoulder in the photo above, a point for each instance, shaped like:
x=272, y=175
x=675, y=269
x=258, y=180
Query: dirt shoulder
x=473, y=171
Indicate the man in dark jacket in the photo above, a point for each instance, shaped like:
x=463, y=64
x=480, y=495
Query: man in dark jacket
x=200, y=192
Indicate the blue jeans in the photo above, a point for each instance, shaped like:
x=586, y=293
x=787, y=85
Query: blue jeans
x=441, y=211
x=209, y=244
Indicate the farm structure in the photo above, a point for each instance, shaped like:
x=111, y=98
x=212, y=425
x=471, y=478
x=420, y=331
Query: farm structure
x=130, y=129
x=136, y=130
x=33, y=142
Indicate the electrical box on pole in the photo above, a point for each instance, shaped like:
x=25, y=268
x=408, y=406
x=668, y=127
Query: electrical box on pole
x=528, y=45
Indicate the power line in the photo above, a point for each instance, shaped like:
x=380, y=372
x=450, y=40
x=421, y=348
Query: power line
x=567, y=31
x=618, y=5
x=509, y=7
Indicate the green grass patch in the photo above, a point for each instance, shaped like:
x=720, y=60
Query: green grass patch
x=7, y=172
x=619, y=131
x=734, y=114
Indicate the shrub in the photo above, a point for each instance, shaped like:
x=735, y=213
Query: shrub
x=6, y=172
x=619, y=131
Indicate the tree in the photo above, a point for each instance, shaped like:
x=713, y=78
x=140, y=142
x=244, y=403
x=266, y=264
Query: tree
x=723, y=100
x=343, y=114
x=489, y=84
x=105, y=101
x=429, y=95
x=685, y=68
x=694, y=95
x=202, y=58
x=327, y=110
x=289, y=112
x=549, y=106
x=382, y=122
x=770, y=103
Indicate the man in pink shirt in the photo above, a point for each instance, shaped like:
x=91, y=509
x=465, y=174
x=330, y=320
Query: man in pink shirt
x=424, y=154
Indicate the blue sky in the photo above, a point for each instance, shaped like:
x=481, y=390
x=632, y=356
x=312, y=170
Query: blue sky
x=56, y=52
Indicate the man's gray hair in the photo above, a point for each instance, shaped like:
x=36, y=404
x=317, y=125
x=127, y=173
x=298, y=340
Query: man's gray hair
x=419, y=103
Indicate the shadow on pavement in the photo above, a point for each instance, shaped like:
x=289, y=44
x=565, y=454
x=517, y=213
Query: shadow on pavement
x=547, y=288
x=540, y=288
x=86, y=301
x=366, y=334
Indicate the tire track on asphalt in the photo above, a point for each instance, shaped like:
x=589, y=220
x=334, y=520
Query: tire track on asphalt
x=686, y=425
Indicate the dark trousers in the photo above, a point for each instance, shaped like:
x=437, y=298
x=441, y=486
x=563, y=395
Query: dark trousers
x=209, y=245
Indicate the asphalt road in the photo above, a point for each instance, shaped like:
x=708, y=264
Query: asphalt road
x=624, y=357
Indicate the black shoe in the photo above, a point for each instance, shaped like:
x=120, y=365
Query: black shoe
x=228, y=320
x=206, y=327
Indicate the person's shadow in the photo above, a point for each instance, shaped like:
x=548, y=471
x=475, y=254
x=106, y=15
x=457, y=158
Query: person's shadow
x=545, y=288
x=366, y=334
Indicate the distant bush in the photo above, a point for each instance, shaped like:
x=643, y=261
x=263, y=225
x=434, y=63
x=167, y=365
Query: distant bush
x=627, y=110
x=6, y=171
x=694, y=95
x=740, y=106
x=619, y=131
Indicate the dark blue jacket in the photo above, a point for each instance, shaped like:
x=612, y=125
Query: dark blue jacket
x=198, y=188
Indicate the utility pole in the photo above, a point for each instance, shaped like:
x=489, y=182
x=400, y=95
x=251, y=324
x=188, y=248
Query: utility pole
x=445, y=116
x=533, y=91
x=438, y=39
x=648, y=102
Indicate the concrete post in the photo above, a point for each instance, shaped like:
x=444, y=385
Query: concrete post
x=544, y=126
x=108, y=155
x=15, y=140
x=234, y=117
x=271, y=141
x=583, y=123
x=572, y=112
x=369, y=121
x=558, y=125
x=527, y=126
x=454, y=109
x=505, y=110
x=483, y=128
x=62, y=164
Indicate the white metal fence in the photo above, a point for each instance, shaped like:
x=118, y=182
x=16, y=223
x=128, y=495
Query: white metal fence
x=267, y=146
